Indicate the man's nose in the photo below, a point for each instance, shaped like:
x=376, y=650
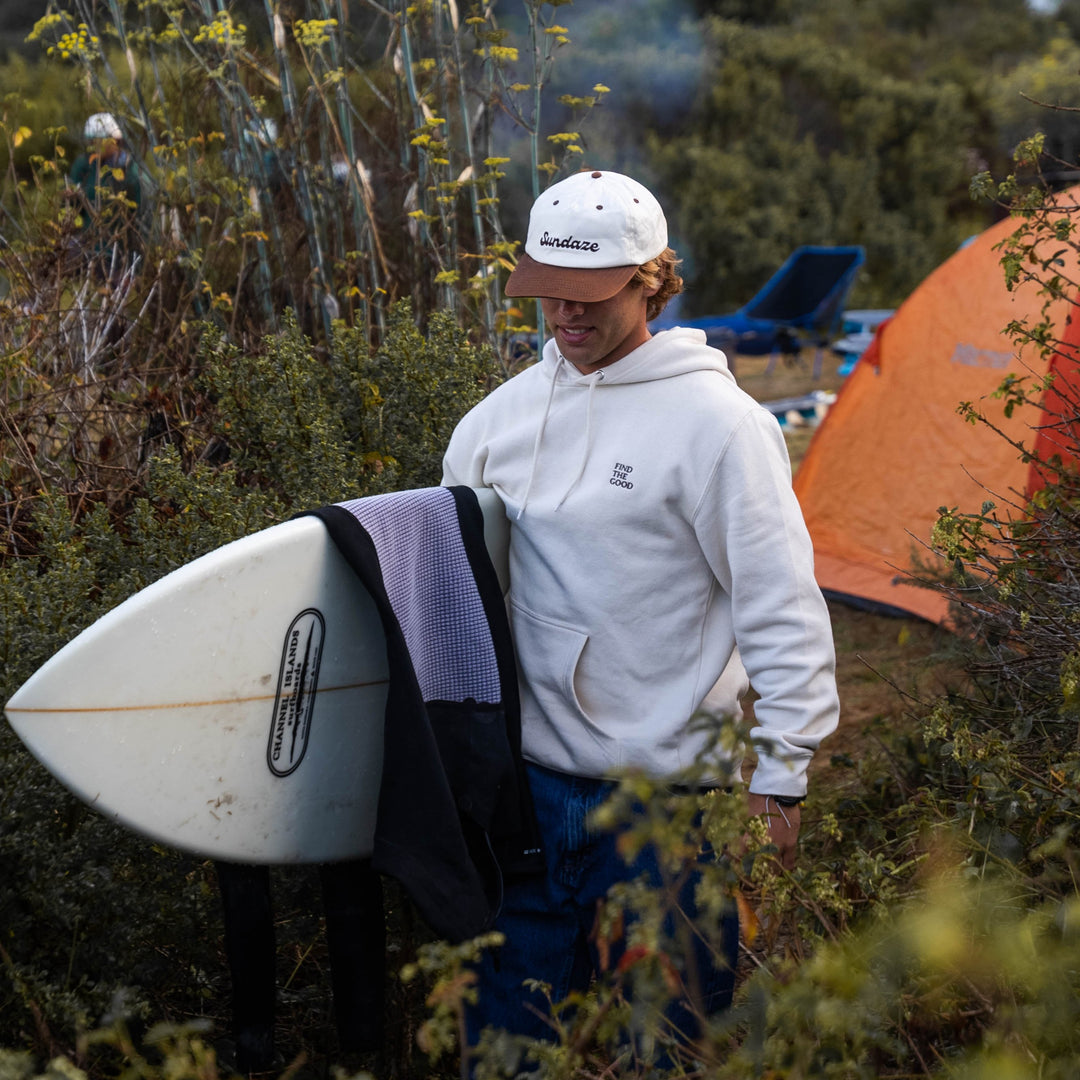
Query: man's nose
x=571, y=307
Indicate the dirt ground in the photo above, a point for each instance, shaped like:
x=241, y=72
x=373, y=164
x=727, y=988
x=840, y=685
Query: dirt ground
x=884, y=664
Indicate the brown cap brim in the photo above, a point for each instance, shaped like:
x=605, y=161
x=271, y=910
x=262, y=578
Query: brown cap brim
x=532, y=278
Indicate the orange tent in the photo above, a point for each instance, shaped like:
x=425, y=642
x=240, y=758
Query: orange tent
x=893, y=449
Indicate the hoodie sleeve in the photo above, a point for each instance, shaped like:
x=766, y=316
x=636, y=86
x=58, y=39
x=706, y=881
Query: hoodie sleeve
x=751, y=529
x=463, y=463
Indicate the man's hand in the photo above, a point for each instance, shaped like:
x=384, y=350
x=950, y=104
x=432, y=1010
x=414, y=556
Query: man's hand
x=783, y=824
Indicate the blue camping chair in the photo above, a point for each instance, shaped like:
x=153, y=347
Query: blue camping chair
x=805, y=296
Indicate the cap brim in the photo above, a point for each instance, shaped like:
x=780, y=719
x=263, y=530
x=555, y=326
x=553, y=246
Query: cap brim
x=532, y=278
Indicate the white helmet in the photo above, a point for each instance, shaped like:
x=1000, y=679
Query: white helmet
x=262, y=129
x=102, y=125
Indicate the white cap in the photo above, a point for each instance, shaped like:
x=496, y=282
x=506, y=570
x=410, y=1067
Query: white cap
x=102, y=125
x=339, y=170
x=588, y=235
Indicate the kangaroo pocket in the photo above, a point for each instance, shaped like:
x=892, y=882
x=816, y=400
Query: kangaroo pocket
x=549, y=655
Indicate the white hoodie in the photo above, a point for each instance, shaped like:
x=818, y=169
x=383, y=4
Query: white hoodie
x=654, y=530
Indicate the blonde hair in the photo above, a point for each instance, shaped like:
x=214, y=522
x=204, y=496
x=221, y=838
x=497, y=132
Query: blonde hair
x=661, y=273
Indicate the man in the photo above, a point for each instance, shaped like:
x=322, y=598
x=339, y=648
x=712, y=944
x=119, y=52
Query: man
x=656, y=549
x=104, y=184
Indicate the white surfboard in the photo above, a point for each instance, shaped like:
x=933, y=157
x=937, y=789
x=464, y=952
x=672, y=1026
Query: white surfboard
x=173, y=713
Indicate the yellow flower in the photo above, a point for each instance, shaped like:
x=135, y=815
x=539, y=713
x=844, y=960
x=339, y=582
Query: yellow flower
x=43, y=24
x=313, y=32
x=222, y=30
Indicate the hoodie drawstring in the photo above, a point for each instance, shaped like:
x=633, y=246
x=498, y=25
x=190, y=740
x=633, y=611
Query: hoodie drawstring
x=596, y=378
x=540, y=433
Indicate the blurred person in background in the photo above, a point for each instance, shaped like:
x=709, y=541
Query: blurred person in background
x=106, y=190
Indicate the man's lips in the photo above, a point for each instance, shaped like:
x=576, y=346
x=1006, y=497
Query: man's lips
x=574, y=335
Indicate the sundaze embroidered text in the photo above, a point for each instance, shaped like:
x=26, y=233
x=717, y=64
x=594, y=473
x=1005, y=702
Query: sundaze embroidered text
x=547, y=240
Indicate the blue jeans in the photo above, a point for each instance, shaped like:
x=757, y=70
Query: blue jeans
x=548, y=921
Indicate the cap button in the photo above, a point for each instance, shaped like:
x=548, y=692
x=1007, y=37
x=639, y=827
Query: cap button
x=597, y=175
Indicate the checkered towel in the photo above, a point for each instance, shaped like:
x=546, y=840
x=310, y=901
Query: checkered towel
x=432, y=590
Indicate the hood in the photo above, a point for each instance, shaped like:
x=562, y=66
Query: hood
x=664, y=355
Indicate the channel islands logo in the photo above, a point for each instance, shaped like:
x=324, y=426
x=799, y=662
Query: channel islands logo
x=620, y=476
x=298, y=681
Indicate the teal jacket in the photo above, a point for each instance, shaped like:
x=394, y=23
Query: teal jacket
x=110, y=188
